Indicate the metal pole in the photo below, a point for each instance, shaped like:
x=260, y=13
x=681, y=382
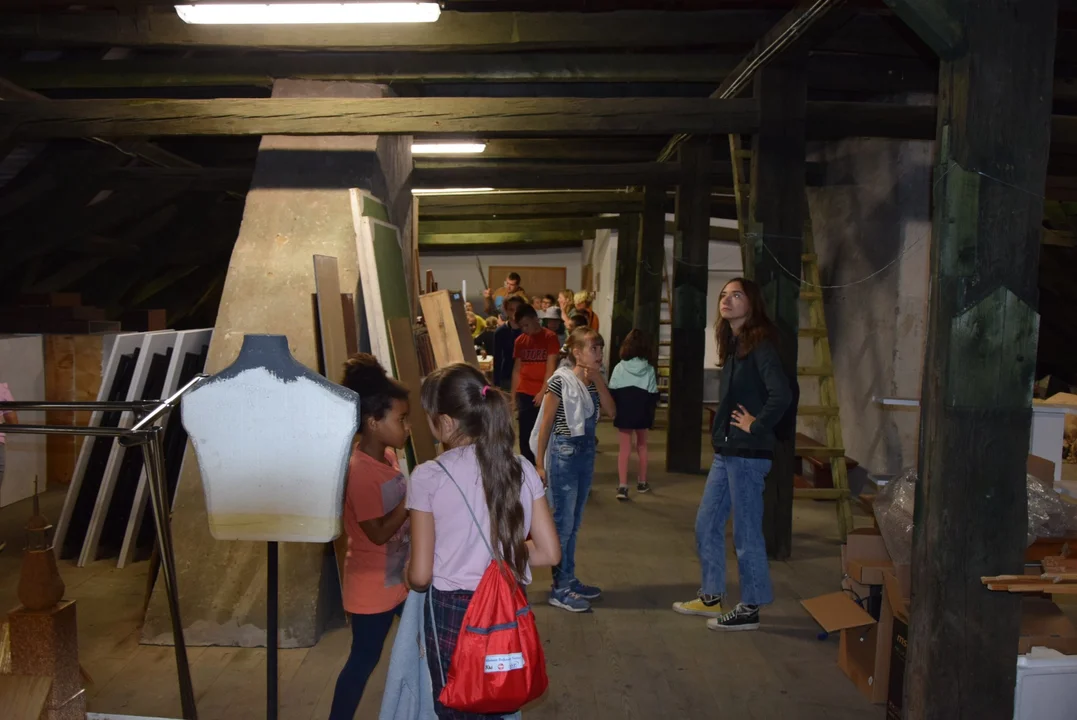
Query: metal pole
x=151, y=438
x=271, y=634
x=166, y=404
x=155, y=466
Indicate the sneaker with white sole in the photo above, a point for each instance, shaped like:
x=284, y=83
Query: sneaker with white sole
x=642, y=488
x=565, y=599
x=742, y=617
x=587, y=592
x=703, y=606
x=622, y=492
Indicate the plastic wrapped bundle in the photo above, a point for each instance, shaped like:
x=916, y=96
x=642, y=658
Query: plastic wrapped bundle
x=893, y=511
x=1048, y=515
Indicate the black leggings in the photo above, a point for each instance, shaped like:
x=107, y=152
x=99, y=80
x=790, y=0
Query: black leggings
x=525, y=404
x=368, y=639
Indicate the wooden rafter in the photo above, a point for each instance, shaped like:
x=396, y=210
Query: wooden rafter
x=376, y=116
x=441, y=116
x=525, y=205
x=399, y=67
x=790, y=31
x=147, y=151
x=514, y=239
x=555, y=176
x=515, y=225
x=933, y=22
x=474, y=31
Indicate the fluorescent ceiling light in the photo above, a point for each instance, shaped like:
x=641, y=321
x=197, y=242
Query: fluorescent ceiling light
x=308, y=13
x=459, y=148
x=451, y=191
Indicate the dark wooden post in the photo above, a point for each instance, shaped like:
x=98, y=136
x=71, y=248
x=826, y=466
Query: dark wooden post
x=624, y=285
x=777, y=229
x=688, y=337
x=993, y=139
x=649, y=290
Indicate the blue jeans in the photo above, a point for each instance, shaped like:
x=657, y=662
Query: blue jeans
x=368, y=638
x=570, y=469
x=734, y=483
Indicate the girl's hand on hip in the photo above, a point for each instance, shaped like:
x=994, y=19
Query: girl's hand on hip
x=743, y=419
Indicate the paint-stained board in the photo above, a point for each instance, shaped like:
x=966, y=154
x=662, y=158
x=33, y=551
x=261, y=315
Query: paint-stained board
x=446, y=322
x=333, y=334
x=407, y=364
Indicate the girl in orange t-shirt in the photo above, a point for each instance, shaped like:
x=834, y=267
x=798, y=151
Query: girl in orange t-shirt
x=376, y=524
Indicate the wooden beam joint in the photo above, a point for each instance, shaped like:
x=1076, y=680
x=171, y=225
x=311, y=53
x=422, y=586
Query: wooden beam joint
x=934, y=22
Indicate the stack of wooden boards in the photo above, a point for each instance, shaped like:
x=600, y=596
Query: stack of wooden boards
x=1059, y=577
x=104, y=513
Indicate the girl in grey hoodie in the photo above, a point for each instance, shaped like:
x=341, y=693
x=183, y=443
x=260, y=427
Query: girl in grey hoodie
x=633, y=383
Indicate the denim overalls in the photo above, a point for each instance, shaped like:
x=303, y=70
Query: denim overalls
x=570, y=467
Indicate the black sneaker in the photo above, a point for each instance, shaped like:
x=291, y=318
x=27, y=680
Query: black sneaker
x=622, y=492
x=742, y=617
x=643, y=488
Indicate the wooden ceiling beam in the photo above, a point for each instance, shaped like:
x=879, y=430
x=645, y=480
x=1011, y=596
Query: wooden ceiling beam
x=469, y=31
x=376, y=116
x=500, y=245
x=438, y=173
x=716, y=233
x=517, y=225
x=572, y=150
x=481, y=117
x=791, y=30
x=401, y=67
x=11, y=92
x=444, y=240
x=527, y=205
x=557, y=176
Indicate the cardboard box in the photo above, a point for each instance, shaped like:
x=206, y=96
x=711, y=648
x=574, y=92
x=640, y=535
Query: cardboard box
x=1043, y=624
x=860, y=656
x=1042, y=469
x=894, y=626
x=864, y=558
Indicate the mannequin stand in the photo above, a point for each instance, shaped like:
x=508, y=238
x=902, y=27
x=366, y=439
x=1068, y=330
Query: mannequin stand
x=271, y=634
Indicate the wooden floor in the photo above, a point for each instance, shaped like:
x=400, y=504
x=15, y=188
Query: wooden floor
x=631, y=658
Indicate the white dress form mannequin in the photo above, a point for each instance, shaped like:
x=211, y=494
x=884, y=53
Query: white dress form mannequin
x=273, y=441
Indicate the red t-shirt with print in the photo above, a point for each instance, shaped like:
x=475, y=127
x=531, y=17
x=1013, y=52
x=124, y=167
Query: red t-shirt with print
x=532, y=352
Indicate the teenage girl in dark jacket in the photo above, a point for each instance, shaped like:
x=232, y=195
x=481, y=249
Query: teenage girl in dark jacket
x=755, y=395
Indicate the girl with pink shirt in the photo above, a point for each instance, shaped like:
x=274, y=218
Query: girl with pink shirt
x=479, y=473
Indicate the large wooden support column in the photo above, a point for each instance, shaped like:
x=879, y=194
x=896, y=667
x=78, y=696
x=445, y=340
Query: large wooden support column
x=624, y=285
x=652, y=250
x=777, y=227
x=691, y=245
x=268, y=289
x=993, y=124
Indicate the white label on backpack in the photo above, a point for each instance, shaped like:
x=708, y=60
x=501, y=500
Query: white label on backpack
x=504, y=663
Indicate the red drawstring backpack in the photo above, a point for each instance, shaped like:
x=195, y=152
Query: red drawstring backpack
x=498, y=665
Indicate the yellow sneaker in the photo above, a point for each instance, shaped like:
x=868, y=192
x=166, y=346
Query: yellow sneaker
x=703, y=606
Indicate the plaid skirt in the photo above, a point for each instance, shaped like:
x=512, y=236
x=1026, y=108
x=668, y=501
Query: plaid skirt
x=448, y=610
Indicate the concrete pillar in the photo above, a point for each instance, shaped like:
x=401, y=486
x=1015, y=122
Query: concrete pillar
x=298, y=206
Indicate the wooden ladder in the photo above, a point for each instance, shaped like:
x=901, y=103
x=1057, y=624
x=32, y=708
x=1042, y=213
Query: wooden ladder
x=665, y=321
x=823, y=370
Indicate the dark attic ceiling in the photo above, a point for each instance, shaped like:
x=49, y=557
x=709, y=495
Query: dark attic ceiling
x=150, y=223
